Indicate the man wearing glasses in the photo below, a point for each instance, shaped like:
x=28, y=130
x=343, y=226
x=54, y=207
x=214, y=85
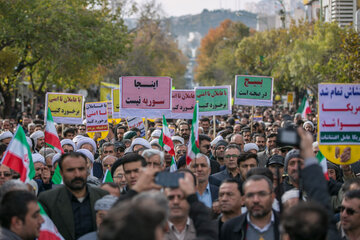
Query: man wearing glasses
x=350, y=215
x=260, y=222
x=232, y=152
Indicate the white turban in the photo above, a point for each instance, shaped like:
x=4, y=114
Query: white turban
x=215, y=141
x=37, y=157
x=87, y=153
x=156, y=133
x=36, y=135
x=55, y=158
x=250, y=146
x=86, y=140
x=178, y=138
x=139, y=141
x=68, y=142
x=77, y=138
x=6, y=135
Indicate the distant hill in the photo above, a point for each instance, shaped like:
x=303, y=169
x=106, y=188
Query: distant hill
x=208, y=19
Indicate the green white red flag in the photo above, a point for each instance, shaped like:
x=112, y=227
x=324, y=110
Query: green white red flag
x=48, y=230
x=323, y=164
x=173, y=166
x=304, y=108
x=108, y=177
x=18, y=156
x=57, y=178
x=193, y=143
x=51, y=136
x=165, y=138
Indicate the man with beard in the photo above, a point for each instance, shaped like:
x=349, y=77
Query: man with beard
x=350, y=215
x=184, y=131
x=292, y=161
x=260, y=222
x=266, y=154
x=259, y=140
x=71, y=206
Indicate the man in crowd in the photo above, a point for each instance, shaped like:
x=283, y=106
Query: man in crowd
x=133, y=165
x=230, y=200
x=71, y=206
x=259, y=140
x=6, y=137
x=205, y=124
x=5, y=174
x=260, y=222
x=20, y=216
x=38, y=138
x=207, y=193
x=350, y=215
x=154, y=159
x=232, y=152
x=292, y=161
x=204, y=147
x=246, y=161
x=238, y=140
x=265, y=155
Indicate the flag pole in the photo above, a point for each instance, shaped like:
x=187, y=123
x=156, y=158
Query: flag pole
x=146, y=129
x=252, y=119
x=214, y=126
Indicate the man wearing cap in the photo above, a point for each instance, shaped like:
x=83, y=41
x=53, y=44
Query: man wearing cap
x=102, y=207
x=137, y=144
x=71, y=206
x=87, y=143
x=6, y=137
x=119, y=149
x=219, y=152
x=177, y=140
x=292, y=161
x=42, y=173
x=276, y=166
x=155, y=134
x=39, y=140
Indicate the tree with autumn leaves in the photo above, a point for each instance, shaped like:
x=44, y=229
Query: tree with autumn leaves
x=298, y=58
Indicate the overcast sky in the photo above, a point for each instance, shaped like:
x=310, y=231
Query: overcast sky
x=183, y=7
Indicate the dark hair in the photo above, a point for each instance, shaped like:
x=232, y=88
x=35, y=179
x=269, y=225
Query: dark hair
x=133, y=157
x=306, y=220
x=203, y=137
x=111, y=184
x=70, y=154
x=69, y=130
x=123, y=221
x=258, y=135
x=230, y=146
x=245, y=156
x=116, y=164
x=260, y=171
x=232, y=180
x=349, y=182
x=352, y=194
x=257, y=178
x=205, y=119
x=271, y=135
x=15, y=204
x=107, y=144
x=135, y=129
x=3, y=147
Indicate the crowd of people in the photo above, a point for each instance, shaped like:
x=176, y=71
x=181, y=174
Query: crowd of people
x=242, y=185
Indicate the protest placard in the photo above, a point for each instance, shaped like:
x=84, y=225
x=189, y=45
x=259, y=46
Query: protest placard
x=116, y=103
x=253, y=90
x=290, y=97
x=213, y=100
x=96, y=117
x=137, y=123
x=145, y=96
x=109, y=109
x=65, y=107
x=339, y=119
x=183, y=103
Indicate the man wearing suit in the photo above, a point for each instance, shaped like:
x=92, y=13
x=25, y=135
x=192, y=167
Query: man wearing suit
x=206, y=192
x=71, y=206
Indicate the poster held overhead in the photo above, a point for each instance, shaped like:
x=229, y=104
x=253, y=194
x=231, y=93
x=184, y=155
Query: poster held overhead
x=65, y=108
x=214, y=100
x=145, y=96
x=183, y=104
x=339, y=121
x=96, y=117
x=253, y=90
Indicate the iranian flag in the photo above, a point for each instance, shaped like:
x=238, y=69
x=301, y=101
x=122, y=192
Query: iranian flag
x=193, y=143
x=173, y=167
x=323, y=164
x=165, y=139
x=57, y=178
x=18, y=156
x=48, y=230
x=51, y=136
x=304, y=108
x=108, y=177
